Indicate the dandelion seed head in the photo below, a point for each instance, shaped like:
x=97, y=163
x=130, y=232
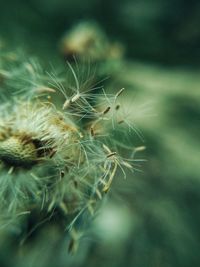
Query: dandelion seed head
x=59, y=156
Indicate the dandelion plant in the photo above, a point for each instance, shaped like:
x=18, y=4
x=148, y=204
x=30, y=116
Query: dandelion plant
x=59, y=150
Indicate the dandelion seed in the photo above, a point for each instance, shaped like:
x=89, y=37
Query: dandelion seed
x=52, y=153
x=62, y=174
x=117, y=107
x=111, y=154
x=44, y=89
x=119, y=93
x=106, y=110
x=92, y=131
x=139, y=148
x=108, y=184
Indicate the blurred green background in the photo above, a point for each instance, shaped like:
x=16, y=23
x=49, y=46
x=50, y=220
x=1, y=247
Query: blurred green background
x=152, y=218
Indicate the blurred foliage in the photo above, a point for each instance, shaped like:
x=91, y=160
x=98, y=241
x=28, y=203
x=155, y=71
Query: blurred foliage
x=159, y=204
x=162, y=31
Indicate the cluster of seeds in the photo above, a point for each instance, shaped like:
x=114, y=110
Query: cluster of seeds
x=58, y=146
